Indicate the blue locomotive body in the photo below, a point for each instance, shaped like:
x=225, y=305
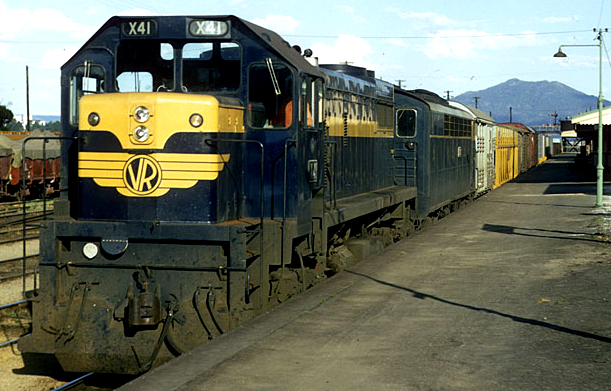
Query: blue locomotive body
x=214, y=172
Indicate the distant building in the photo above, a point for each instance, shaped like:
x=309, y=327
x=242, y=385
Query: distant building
x=591, y=117
x=21, y=119
x=585, y=128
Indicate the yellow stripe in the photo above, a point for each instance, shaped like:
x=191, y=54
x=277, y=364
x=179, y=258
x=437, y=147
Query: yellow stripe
x=157, y=193
x=109, y=182
x=188, y=175
x=182, y=166
x=101, y=164
x=100, y=173
x=191, y=157
x=104, y=156
x=177, y=184
x=454, y=137
x=160, y=157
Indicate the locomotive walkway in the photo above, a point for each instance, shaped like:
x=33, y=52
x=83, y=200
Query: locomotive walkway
x=510, y=293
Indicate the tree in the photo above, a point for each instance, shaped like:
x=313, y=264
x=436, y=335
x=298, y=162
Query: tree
x=6, y=116
x=15, y=126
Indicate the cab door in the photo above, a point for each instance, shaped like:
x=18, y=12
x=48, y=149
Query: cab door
x=310, y=136
x=405, y=146
x=311, y=130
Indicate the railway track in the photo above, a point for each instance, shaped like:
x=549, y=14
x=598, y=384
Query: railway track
x=16, y=226
x=19, y=227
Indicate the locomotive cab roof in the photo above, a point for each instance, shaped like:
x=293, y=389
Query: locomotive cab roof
x=180, y=28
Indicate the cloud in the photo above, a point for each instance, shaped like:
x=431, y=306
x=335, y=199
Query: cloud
x=467, y=44
x=137, y=12
x=560, y=19
x=18, y=21
x=345, y=48
x=351, y=13
x=4, y=48
x=281, y=24
x=422, y=20
x=346, y=8
x=398, y=42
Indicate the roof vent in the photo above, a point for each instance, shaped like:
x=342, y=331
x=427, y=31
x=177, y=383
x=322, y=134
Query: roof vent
x=351, y=70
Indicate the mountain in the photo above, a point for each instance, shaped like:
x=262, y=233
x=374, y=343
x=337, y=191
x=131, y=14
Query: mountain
x=531, y=102
x=46, y=118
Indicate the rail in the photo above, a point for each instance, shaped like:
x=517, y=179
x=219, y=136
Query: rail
x=9, y=305
x=74, y=383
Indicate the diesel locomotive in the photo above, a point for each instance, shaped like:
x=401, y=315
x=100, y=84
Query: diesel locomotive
x=211, y=171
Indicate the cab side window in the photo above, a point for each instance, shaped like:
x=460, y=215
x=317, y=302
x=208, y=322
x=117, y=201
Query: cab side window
x=406, y=123
x=85, y=79
x=270, y=95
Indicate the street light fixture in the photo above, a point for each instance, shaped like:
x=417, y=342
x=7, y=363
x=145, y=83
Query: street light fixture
x=599, y=167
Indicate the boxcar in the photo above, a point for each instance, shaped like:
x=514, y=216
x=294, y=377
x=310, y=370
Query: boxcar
x=485, y=146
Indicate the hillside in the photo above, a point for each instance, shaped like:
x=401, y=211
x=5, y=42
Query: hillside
x=531, y=101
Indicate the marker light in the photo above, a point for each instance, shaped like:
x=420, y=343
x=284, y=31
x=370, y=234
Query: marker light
x=141, y=133
x=90, y=250
x=196, y=120
x=141, y=114
x=93, y=119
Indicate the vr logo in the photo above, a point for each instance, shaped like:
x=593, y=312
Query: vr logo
x=142, y=174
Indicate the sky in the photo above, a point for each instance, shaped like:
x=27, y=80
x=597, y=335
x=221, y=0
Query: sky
x=456, y=46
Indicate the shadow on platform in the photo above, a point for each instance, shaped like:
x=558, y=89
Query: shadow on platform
x=546, y=233
x=562, y=168
x=534, y=322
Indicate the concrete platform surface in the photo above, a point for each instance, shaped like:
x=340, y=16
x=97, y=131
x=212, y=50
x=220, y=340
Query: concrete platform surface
x=510, y=293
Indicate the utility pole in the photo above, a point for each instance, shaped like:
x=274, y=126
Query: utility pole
x=399, y=81
x=27, y=99
x=510, y=114
x=448, y=94
x=555, y=115
x=476, y=98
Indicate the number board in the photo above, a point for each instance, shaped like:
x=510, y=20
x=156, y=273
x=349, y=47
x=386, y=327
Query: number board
x=139, y=28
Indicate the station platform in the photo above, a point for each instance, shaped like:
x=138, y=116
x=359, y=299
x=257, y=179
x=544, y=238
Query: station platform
x=512, y=292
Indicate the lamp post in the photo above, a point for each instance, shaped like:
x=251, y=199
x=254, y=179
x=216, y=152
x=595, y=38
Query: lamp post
x=599, y=167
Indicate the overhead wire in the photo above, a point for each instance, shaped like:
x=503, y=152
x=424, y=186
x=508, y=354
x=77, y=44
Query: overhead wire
x=484, y=35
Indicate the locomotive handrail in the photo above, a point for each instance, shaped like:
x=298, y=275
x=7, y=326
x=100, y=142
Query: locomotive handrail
x=286, y=149
x=405, y=167
x=44, y=202
x=415, y=167
x=261, y=203
x=332, y=194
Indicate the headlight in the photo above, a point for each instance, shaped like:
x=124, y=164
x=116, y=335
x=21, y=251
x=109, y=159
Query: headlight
x=141, y=133
x=196, y=120
x=90, y=250
x=141, y=114
x=93, y=119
